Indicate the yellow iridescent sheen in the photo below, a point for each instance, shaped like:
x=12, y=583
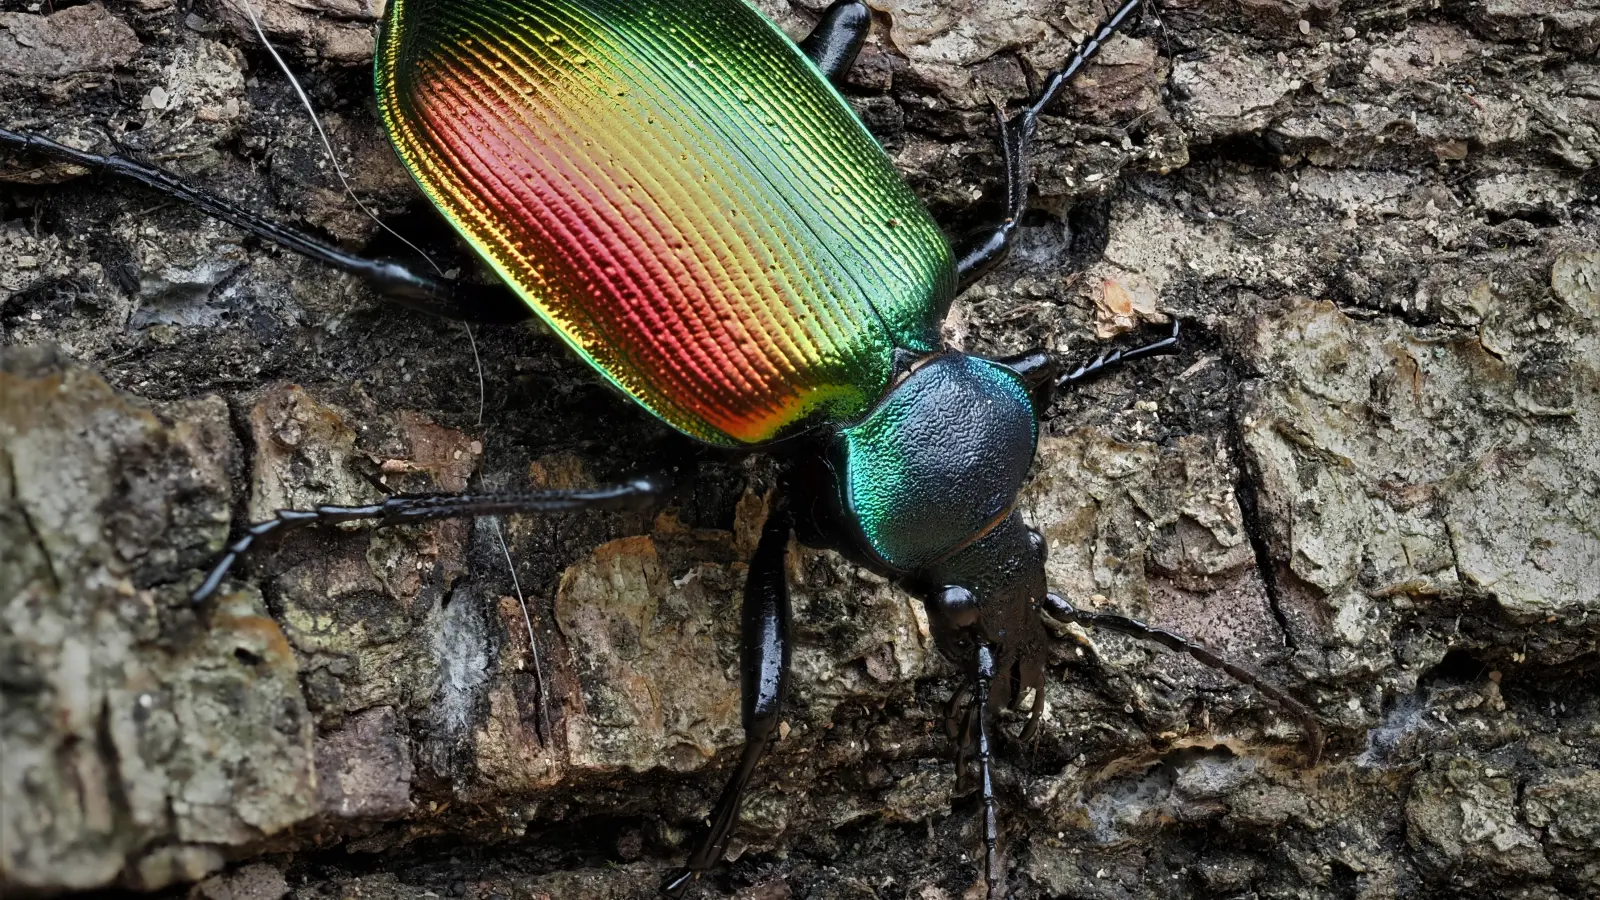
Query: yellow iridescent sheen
x=679, y=193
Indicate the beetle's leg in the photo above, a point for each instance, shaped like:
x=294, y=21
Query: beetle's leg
x=1034, y=714
x=403, y=509
x=764, y=671
x=981, y=251
x=837, y=39
x=1037, y=367
x=1041, y=371
x=1105, y=362
x=1063, y=612
x=991, y=825
x=487, y=304
x=984, y=250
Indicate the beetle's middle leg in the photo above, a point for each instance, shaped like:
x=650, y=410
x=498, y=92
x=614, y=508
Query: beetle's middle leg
x=406, y=509
x=982, y=251
x=837, y=39
x=1063, y=612
x=1109, y=360
x=764, y=679
x=1041, y=370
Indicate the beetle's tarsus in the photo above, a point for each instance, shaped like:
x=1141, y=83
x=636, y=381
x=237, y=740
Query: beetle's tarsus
x=1028, y=119
x=677, y=884
x=1061, y=612
x=1035, y=716
x=400, y=509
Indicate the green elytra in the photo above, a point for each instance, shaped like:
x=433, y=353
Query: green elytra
x=695, y=129
x=680, y=193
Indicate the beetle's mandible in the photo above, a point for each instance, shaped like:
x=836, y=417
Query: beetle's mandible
x=683, y=195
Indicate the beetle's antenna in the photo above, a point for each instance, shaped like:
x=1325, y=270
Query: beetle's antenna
x=533, y=644
x=991, y=829
x=1061, y=612
x=327, y=145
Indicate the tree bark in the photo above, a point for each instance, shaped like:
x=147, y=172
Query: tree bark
x=1371, y=471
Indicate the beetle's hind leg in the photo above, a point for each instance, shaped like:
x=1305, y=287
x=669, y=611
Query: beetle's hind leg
x=405, y=509
x=1062, y=612
x=836, y=41
x=984, y=249
x=486, y=304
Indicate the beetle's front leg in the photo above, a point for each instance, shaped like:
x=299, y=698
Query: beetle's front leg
x=764, y=670
x=991, y=828
x=1109, y=360
x=837, y=39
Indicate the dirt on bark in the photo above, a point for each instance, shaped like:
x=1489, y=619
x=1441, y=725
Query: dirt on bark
x=1373, y=471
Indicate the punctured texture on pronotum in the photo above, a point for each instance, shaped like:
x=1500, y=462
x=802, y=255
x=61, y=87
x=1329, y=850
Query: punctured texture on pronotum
x=938, y=464
x=679, y=192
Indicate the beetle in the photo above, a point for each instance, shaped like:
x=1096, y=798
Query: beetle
x=684, y=196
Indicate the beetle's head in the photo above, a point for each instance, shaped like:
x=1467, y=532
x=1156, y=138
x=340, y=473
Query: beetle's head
x=989, y=594
x=924, y=488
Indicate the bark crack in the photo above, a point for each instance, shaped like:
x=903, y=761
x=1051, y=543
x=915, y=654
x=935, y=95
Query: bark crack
x=1247, y=492
x=33, y=529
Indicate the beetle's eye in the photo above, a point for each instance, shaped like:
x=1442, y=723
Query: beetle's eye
x=957, y=606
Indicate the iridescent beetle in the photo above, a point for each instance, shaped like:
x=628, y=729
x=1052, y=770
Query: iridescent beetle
x=684, y=196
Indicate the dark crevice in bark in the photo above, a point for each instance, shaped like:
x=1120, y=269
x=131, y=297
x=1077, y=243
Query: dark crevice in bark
x=239, y=503
x=1247, y=490
x=33, y=529
x=1415, y=318
x=116, y=784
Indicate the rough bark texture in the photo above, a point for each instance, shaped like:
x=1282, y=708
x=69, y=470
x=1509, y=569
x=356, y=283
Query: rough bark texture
x=1373, y=470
